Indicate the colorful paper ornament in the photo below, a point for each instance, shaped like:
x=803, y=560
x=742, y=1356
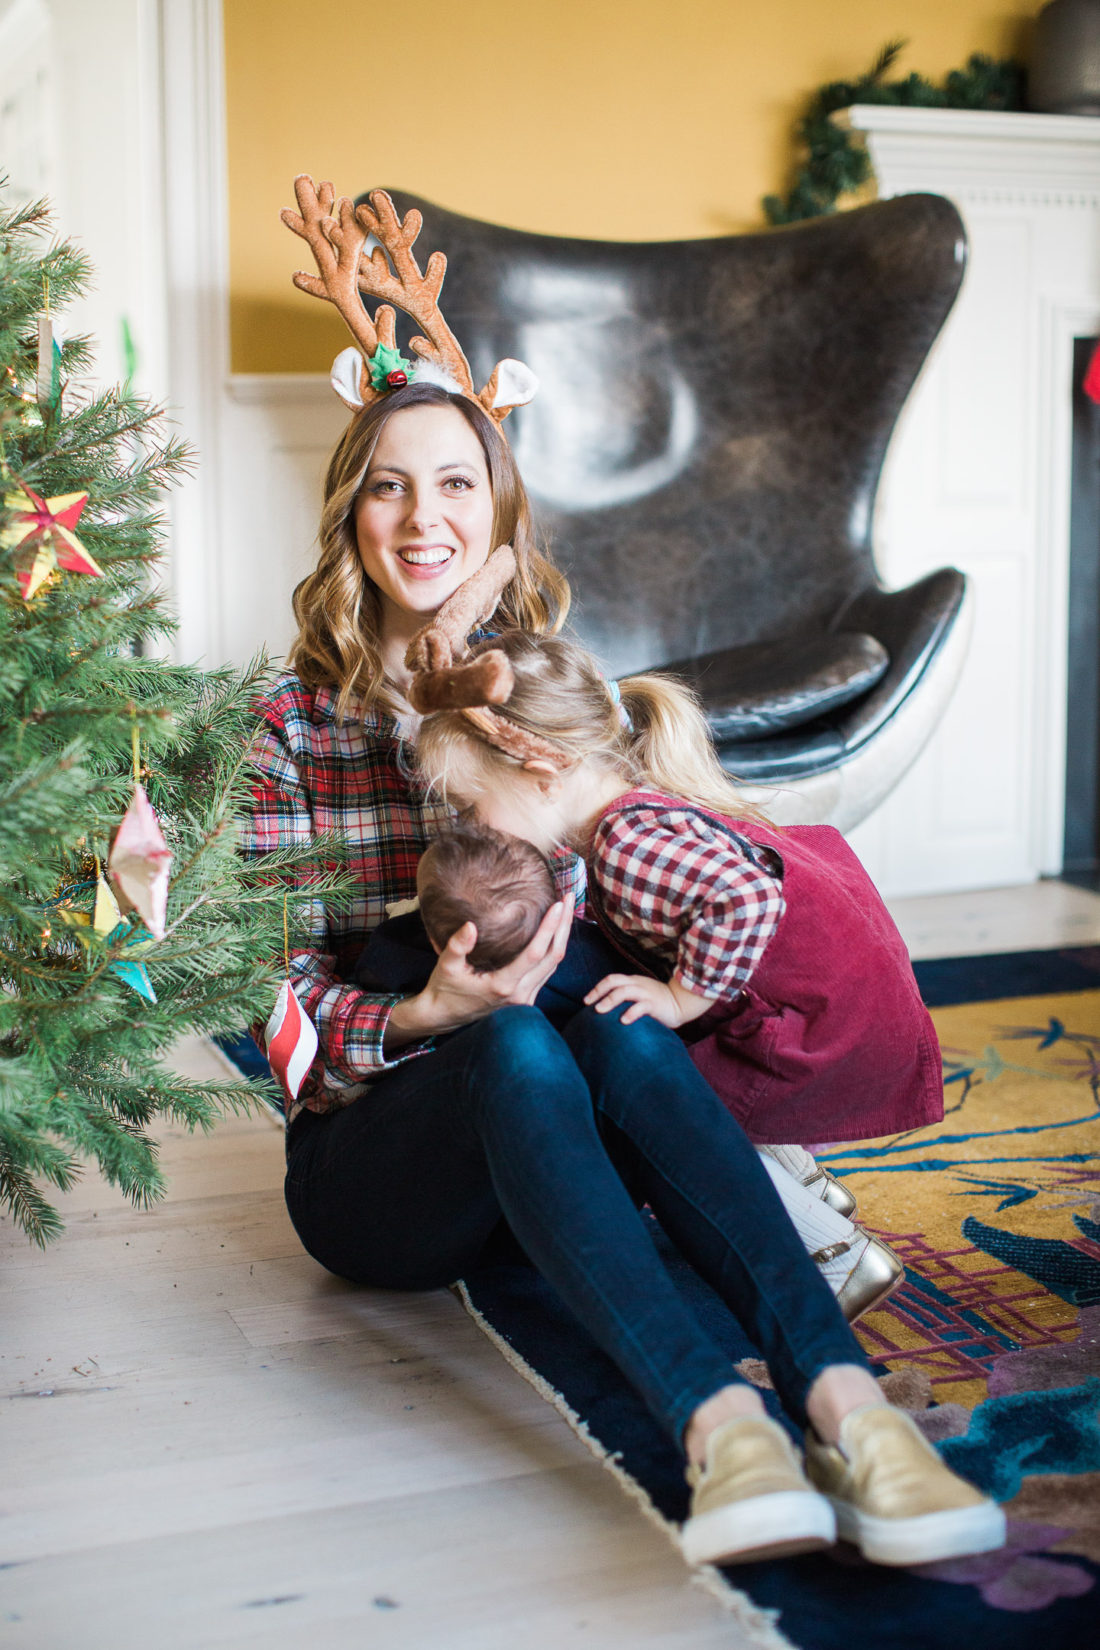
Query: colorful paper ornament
x=106, y=916
x=135, y=975
x=48, y=385
x=45, y=525
x=291, y=1041
x=106, y=920
x=140, y=862
x=128, y=969
x=1091, y=383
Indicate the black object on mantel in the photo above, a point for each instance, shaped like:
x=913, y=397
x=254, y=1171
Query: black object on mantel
x=704, y=452
x=1063, y=77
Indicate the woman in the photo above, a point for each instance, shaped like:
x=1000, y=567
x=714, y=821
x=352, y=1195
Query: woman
x=457, y=1115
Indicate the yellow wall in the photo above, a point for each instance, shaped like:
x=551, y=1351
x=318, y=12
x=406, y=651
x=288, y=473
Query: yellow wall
x=625, y=119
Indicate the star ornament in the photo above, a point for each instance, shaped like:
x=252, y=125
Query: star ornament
x=46, y=526
x=140, y=862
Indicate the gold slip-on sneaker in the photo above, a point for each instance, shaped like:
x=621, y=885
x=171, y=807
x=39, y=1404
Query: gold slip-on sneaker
x=894, y=1497
x=750, y=1500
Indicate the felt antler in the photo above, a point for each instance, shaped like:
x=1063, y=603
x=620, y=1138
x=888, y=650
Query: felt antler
x=338, y=244
x=414, y=291
x=436, y=654
x=442, y=679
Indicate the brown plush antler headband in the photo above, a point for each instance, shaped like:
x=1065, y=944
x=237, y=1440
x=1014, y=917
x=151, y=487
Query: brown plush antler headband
x=337, y=232
x=444, y=680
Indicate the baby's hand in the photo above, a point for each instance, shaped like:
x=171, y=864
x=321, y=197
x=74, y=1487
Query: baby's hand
x=673, y=1005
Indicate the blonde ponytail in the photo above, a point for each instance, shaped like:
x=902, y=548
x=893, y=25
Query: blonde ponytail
x=671, y=745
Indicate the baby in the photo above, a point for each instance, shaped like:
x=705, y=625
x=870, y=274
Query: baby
x=504, y=886
x=472, y=873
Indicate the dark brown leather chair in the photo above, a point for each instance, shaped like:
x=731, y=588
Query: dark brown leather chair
x=703, y=457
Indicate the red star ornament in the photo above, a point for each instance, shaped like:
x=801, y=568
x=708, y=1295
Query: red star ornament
x=46, y=525
x=140, y=862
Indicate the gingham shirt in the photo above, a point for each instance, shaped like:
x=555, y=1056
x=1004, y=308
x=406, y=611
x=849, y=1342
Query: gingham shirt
x=678, y=887
x=356, y=779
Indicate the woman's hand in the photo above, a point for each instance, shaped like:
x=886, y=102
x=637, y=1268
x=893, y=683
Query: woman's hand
x=457, y=994
x=672, y=1004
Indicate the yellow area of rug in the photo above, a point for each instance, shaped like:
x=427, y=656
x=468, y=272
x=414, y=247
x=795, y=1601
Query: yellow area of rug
x=1019, y=1151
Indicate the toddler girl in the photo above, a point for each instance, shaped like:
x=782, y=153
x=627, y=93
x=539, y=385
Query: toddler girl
x=769, y=949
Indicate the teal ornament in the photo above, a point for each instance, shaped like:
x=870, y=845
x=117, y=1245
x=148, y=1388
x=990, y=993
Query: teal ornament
x=135, y=975
x=385, y=363
x=128, y=969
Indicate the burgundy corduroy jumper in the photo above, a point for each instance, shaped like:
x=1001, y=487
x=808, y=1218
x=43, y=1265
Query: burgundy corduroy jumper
x=829, y=1039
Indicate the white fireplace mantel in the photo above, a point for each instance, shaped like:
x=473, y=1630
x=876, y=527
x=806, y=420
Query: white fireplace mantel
x=1009, y=152
x=978, y=476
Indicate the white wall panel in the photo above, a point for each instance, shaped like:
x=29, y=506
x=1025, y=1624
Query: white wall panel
x=277, y=437
x=978, y=476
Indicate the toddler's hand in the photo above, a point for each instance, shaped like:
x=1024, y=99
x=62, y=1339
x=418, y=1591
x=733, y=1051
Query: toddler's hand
x=673, y=1005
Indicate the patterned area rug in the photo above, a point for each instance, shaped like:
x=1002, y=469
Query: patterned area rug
x=993, y=1343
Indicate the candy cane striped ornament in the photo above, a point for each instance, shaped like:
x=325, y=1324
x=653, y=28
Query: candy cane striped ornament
x=290, y=1036
x=291, y=1041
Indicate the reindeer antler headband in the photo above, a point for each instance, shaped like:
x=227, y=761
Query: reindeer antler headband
x=337, y=232
x=445, y=678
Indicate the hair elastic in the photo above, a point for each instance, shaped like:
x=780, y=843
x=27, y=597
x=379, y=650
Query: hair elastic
x=617, y=699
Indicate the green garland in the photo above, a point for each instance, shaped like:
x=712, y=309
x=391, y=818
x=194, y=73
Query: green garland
x=838, y=162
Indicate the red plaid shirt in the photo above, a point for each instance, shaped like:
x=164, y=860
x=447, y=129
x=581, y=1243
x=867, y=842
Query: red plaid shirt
x=357, y=779
x=680, y=887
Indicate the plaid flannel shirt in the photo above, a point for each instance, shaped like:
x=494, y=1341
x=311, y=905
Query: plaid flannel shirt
x=356, y=779
x=680, y=887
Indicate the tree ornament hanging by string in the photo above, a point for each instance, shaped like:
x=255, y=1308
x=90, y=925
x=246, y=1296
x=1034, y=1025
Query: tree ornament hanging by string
x=140, y=860
x=135, y=975
x=290, y=1033
x=47, y=383
x=43, y=529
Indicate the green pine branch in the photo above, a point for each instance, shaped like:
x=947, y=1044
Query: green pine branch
x=833, y=161
x=85, y=1063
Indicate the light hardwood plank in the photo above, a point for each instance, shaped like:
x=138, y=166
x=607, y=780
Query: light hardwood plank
x=1038, y=916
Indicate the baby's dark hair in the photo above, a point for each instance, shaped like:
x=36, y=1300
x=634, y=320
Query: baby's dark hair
x=500, y=883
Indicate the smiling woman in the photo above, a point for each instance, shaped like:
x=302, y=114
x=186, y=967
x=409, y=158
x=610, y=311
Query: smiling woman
x=421, y=526
x=408, y=469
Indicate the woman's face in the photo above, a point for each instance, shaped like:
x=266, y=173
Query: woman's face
x=424, y=515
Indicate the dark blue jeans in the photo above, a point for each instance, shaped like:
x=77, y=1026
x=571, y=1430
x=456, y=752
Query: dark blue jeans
x=563, y=1135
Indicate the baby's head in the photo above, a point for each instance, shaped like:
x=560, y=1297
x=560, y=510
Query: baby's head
x=501, y=884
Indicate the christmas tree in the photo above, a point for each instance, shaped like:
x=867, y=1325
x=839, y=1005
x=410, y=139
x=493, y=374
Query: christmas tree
x=115, y=938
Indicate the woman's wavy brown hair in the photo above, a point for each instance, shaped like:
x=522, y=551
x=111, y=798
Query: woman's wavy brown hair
x=337, y=606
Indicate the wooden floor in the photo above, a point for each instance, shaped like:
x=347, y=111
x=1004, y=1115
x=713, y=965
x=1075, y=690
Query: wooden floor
x=207, y=1441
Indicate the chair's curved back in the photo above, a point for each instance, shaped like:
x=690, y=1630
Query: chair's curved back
x=704, y=450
